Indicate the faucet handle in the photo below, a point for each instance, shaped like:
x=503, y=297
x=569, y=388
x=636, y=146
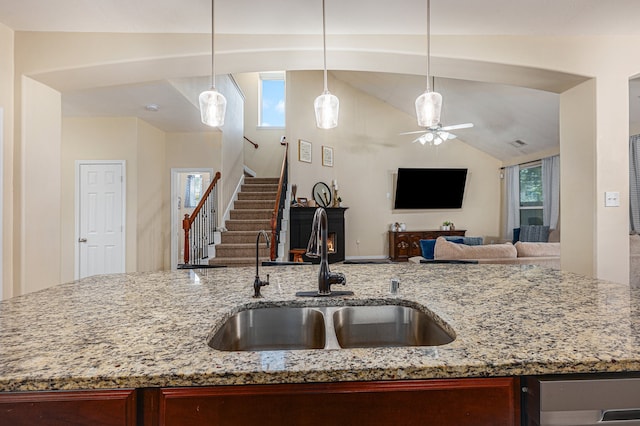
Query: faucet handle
x=257, y=283
x=337, y=278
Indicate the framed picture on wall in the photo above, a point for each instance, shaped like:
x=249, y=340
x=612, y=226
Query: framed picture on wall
x=327, y=156
x=304, y=151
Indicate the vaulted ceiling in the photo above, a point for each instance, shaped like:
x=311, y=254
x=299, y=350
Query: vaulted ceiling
x=501, y=114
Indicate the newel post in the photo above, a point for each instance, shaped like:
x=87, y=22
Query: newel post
x=186, y=225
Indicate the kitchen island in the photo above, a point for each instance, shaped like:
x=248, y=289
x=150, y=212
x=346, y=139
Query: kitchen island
x=150, y=330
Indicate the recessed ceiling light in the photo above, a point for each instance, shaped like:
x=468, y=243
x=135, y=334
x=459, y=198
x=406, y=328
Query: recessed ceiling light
x=152, y=107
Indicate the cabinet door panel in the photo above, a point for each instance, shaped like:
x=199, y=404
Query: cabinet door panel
x=474, y=402
x=95, y=408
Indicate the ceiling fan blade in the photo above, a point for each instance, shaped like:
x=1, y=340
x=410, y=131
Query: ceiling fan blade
x=412, y=133
x=451, y=136
x=457, y=126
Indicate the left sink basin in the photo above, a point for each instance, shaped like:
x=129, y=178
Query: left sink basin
x=275, y=328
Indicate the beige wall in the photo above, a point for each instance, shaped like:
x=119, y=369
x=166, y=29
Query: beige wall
x=153, y=232
x=266, y=160
x=194, y=150
x=367, y=153
x=6, y=103
x=232, y=140
x=98, y=139
x=39, y=196
x=578, y=177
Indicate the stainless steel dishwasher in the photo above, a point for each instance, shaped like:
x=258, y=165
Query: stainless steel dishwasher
x=585, y=400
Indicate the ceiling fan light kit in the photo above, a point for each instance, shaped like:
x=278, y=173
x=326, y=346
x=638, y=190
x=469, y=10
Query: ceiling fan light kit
x=326, y=105
x=213, y=105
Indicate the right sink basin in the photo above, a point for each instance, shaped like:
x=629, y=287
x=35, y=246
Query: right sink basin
x=386, y=326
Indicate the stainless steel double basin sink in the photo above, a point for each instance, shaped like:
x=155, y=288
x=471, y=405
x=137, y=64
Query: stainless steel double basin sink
x=331, y=327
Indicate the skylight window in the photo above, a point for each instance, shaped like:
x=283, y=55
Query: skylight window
x=272, y=100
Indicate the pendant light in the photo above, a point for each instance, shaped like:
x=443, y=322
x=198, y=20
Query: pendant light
x=213, y=104
x=429, y=104
x=326, y=105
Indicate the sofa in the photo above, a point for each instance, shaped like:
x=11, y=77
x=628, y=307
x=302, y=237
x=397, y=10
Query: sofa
x=520, y=253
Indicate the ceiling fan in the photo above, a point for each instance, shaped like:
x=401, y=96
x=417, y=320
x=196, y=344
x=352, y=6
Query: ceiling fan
x=437, y=134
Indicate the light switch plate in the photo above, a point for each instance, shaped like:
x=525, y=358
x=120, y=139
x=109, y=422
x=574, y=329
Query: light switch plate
x=612, y=199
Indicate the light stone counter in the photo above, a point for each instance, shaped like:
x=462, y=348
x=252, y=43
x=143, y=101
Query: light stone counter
x=150, y=329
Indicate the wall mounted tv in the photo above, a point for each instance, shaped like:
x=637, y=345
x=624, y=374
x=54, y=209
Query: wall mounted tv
x=430, y=188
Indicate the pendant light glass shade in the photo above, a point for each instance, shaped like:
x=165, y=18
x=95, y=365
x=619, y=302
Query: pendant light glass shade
x=213, y=105
x=327, y=107
x=428, y=108
x=429, y=104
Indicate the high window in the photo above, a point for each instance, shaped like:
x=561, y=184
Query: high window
x=272, y=100
x=531, y=201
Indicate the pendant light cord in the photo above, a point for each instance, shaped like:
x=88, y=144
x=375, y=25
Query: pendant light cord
x=324, y=47
x=213, y=42
x=428, y=44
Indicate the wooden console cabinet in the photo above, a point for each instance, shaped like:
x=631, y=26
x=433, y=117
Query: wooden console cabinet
x=406, y=244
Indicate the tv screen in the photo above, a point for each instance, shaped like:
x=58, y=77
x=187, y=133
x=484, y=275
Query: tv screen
x=430, y=188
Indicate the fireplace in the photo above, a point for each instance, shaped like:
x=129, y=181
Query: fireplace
x=331, y=242
x=300, y=219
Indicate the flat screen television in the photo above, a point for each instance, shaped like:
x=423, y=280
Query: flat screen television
x=430, y=188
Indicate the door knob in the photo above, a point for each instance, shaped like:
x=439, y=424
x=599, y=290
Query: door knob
x=82, y=240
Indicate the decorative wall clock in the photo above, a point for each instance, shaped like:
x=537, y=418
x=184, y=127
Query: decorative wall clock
x=322, y=194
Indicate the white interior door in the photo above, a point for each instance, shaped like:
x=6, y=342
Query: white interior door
x=101, y=242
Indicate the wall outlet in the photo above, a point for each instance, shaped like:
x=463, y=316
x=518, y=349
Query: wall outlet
x=612, y=199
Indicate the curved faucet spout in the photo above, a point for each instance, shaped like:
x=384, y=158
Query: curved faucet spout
x=257, y=283
x=317, y=247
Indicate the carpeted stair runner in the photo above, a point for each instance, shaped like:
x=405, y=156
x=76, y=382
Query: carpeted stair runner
x=251, y=213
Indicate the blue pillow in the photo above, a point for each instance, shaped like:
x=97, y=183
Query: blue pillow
x=516, y=235
x=457, y=240
x=427, y=246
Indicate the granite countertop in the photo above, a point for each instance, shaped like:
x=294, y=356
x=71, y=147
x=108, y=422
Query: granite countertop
x=150, y=329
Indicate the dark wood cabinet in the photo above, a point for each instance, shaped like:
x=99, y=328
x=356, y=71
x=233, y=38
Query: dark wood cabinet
x=442, y=402
x=459, y=402
x=406, y=244
x=84, y=407
x=300, y=219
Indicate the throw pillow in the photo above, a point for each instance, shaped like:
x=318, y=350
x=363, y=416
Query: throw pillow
x=473, y=241
x=534, y=233
x=427, y=246
x=516, y=235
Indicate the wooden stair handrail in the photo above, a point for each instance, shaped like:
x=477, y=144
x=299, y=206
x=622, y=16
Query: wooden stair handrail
x=188, y=220
x=255, y=145
x=276, y=207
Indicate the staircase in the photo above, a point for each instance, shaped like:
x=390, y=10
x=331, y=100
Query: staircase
x=251, y=213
